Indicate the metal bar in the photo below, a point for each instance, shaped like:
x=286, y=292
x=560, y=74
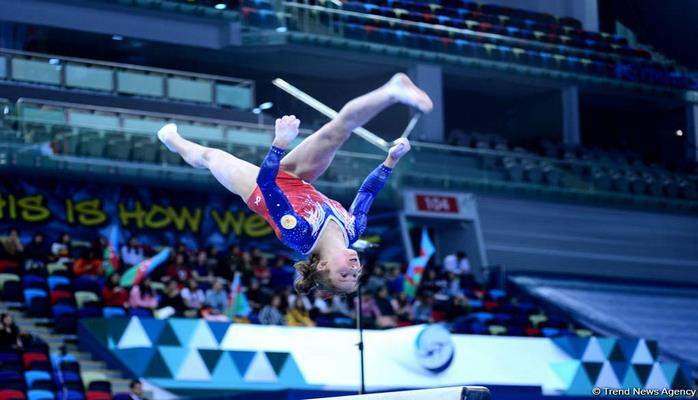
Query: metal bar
x=328, y=112
x=411, y=125
x=243, y=82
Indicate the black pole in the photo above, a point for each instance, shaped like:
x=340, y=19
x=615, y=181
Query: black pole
x=360, y=327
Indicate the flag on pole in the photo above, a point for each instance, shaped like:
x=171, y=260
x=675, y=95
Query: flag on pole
x=110, y=258
x=417, y=265
x=237, y=301
x=136, y=274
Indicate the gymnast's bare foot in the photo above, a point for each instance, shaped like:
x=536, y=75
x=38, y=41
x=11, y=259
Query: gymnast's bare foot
x=167, y=134
x=402, y=89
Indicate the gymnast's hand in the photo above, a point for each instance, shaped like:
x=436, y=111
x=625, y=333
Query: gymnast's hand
x=286, y=131
x=401, y=147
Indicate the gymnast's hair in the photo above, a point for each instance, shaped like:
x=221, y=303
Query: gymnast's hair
x=309, y=277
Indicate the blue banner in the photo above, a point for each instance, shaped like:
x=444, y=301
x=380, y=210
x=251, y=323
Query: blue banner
x=156, y=216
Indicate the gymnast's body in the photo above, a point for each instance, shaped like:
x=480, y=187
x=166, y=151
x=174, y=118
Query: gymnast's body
x=280, y=190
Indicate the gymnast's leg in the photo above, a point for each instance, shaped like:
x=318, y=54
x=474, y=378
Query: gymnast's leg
x=311, y=158
x=238, y=176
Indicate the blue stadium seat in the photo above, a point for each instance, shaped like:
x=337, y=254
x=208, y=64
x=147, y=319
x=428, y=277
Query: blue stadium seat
x=37, y=302
x=65, y=318
x=55, y=281
x=88, y=284
x=109, y=312
x=140, y=312
x=34, y=281
x=40, y=395
x=31, y=376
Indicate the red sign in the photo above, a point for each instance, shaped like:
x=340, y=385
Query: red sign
x=441, y=204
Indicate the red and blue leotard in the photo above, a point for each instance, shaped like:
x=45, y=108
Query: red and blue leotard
x=298, y=212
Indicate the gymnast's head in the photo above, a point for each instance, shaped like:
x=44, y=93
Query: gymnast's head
x=334, y=270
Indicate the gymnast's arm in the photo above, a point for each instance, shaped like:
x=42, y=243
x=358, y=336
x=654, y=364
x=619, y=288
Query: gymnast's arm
x=373, y=184
x=275, y=199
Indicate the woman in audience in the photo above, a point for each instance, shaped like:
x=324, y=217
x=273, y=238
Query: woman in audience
x=298, y=315
x=132, y=253
x=201, y=270
x=193, y=296
x=9, y=333
x=172, y=300
x=280, y=189
x=11, y=245
x=179, y=270
x=114, y=295
x=272, y=313
x=340, y=307
x=369, y=311
x=387, y=308
x=90, y=262
x=143, y=296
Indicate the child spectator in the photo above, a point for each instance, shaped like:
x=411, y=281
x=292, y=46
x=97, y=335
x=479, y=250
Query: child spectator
x=217, y=297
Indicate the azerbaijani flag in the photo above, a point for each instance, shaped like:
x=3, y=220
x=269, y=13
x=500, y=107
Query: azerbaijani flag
x=134, y=275
x=417, y=265
x=237, y=301
x=110, y=258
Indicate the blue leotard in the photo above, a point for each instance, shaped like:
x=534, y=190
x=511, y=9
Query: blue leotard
x=298, y=212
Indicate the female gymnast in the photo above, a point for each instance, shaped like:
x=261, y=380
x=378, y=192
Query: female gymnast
x=280, y=190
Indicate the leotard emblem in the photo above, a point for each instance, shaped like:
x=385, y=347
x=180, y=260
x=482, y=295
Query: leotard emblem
x=288, y=221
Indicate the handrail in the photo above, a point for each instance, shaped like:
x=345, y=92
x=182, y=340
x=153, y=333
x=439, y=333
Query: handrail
x=417, y=145
x=122, y=111
x=459, y=30
x=186, y=74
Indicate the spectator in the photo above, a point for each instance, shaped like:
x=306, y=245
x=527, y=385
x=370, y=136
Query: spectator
x=320, y=304
x=136, y=390
x=178, y=271
x=457, y=263
x=114, y=295
x=217, y=297
x=193, y=296
x=256, y=297
x=454, y=285
x=11, y=245
x=172, y=299
x=62, y=249
x=214, y=259
x=291, y=298
x=377, y=280
x=37, y=250
x=201, y=270
x=143, y=296
x=395, y=280
x=281, y=274
x=90, y=263
x=369, y=311
x=422, y=309
x=341, y=307
x=261, y=270
x=132, y=253
x=271, y=313
x=404, y=309
x=9, y=333
x=387, y=308
x=432, y=282
x=298, y=314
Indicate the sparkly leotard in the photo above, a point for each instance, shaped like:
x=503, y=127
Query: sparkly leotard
x=299, y=213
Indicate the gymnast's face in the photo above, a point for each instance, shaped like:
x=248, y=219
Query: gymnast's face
x=343, y=268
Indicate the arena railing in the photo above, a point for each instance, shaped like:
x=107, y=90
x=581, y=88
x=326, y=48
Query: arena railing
x=429, y=165
x=126, y=79
x=294, y=9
